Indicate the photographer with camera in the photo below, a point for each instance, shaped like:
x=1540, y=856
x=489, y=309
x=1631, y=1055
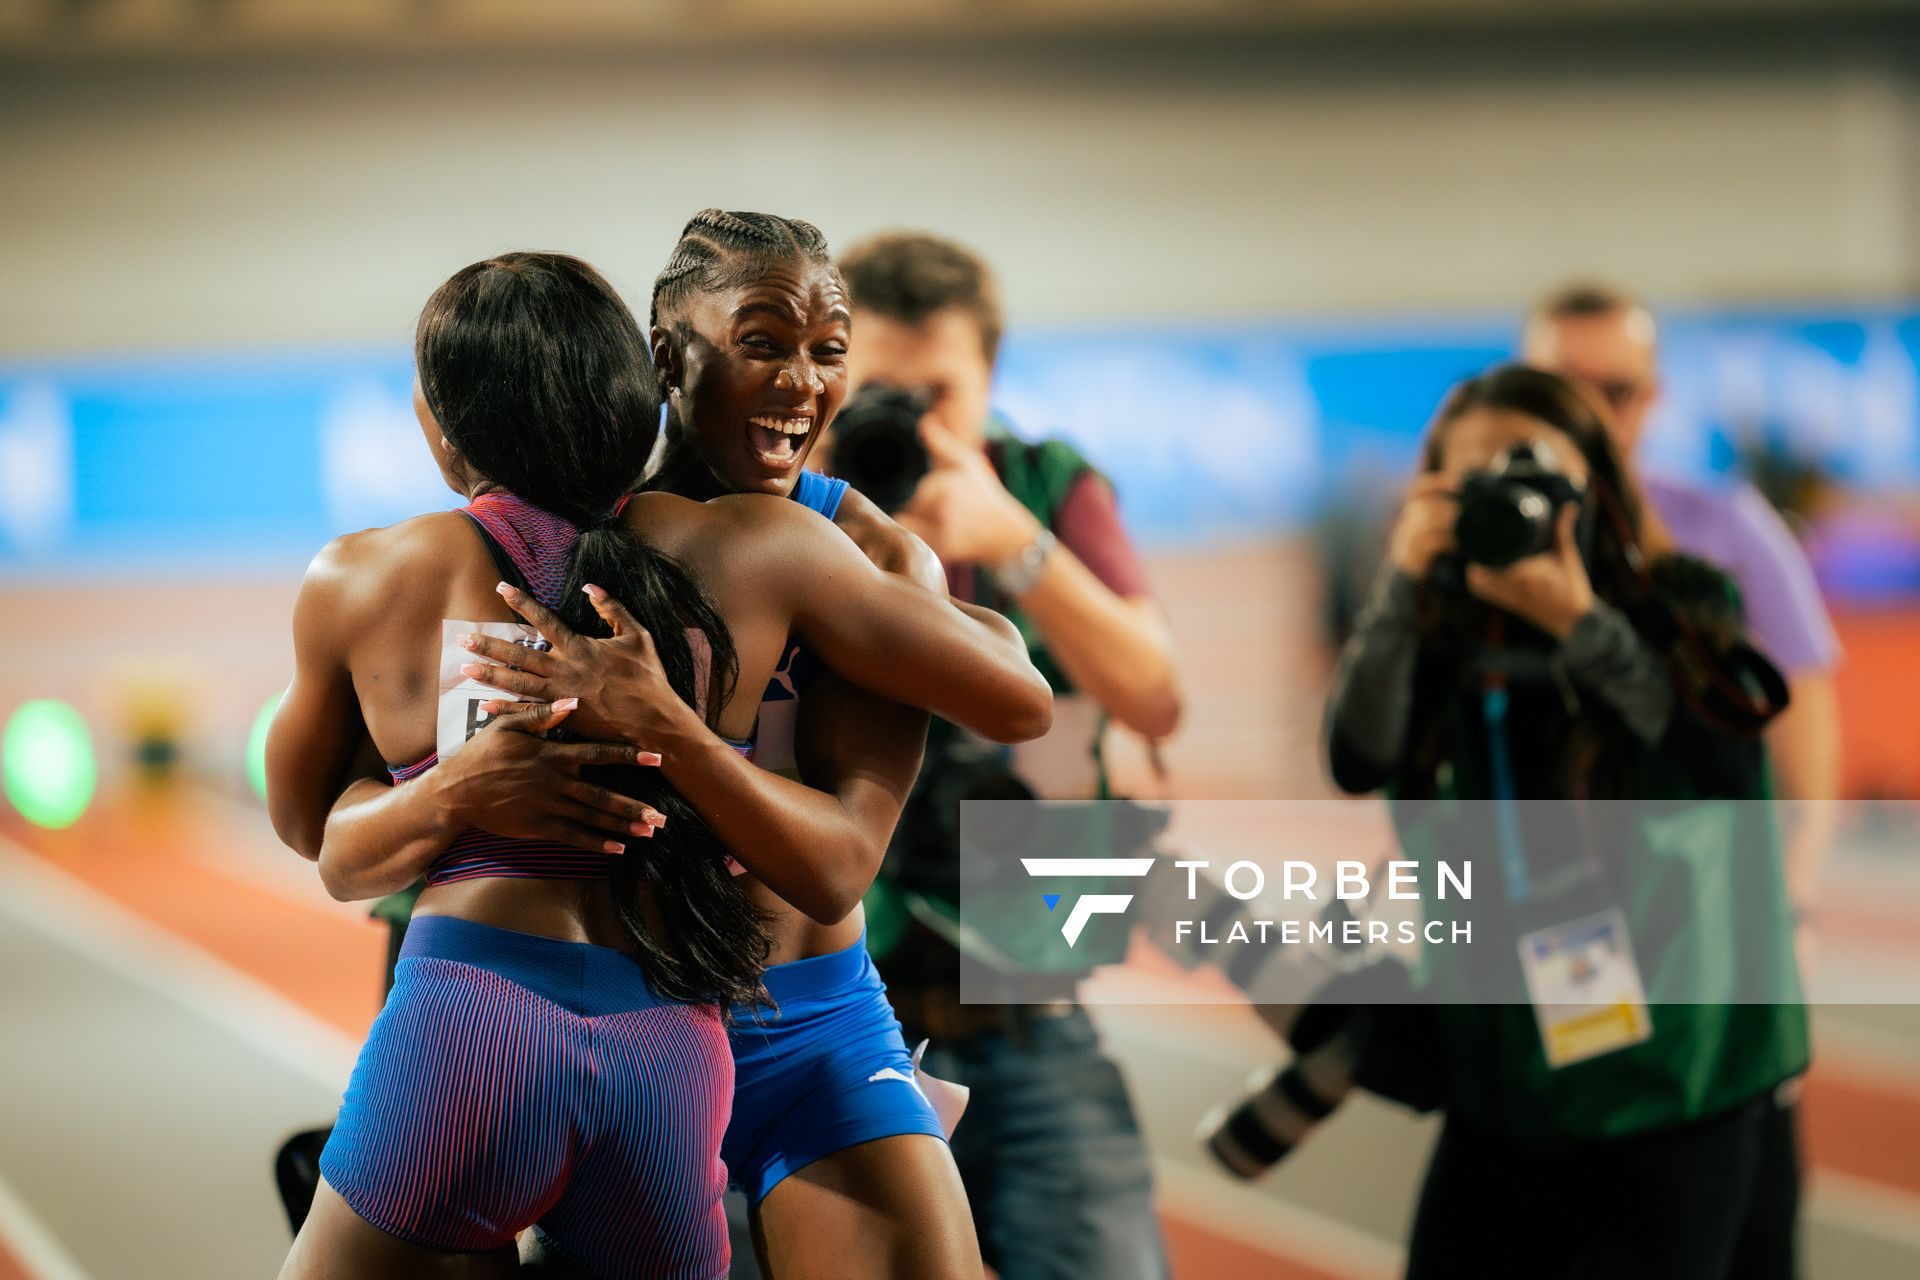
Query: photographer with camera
x=1050, y=1152
x=1533, y=639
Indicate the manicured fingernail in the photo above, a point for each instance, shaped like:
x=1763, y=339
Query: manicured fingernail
x=491, y=707
x=566, y=704
x=473, y=669
x=656, y=818
x=613, y=846
x=594, y=593
x=648, y=757
x=503, y=588
x=465, y=639
x=642, y=830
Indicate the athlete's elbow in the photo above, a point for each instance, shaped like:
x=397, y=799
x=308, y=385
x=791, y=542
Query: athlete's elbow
x=1025, y=716
x=829, y=901
x=296, y=831
x=346, y=882
x=1036, y=717
x=339, y=882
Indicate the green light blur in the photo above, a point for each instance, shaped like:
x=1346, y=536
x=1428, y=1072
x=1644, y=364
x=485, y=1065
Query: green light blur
x=46, y=763
x=257, y=746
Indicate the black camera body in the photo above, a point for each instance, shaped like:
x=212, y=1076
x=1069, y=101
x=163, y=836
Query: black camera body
x=876, y=444
x=1508, y=511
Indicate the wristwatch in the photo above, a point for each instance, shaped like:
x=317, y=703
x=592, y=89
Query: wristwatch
x=1020, y=572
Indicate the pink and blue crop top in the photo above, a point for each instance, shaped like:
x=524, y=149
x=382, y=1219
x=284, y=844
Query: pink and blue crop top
x=532, y=549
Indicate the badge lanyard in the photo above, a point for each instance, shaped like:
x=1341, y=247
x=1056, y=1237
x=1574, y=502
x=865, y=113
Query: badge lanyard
x=1581, y=978
x=1494, y=703
x=1506, y=809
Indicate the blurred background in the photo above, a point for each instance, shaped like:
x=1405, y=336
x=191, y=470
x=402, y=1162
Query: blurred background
x=1244, y=249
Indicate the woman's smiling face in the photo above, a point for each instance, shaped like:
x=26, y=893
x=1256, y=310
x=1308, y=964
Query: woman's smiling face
x=761, y=371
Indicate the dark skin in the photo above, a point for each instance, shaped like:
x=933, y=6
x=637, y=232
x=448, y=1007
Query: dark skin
x=894, y=1207
x=774, y=348
x=367, y=627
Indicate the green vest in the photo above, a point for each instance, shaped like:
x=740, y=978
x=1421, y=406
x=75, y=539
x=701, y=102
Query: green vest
x=1706, y=905
x=1039, y=477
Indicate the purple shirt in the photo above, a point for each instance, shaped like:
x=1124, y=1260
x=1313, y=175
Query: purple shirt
x=1731, y=525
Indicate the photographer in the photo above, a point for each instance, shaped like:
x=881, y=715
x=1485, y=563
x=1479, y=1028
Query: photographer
x=1050, y=1151
x=1529, y=641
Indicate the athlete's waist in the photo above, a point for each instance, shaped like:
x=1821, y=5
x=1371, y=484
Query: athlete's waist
x=584, y=977
x=475, y=854
x=795, y=936
x=816, y=977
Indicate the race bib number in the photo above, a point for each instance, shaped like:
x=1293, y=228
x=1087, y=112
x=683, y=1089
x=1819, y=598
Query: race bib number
x=460, y=716
x=1585, y=987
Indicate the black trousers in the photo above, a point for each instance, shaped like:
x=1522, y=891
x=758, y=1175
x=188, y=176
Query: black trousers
x=1718, y=1199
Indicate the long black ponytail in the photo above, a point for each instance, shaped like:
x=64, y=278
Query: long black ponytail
x=539, y=376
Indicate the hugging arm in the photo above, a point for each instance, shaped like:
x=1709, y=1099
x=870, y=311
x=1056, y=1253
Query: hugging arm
x=318, y=744
x=816, y=846
x=506, y=779
x=328, y=793
x=320, y=755
x=816, y=849
x=894, y=637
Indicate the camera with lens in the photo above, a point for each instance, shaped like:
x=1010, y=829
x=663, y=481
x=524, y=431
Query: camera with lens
x=1508, y=511
x=876, y=443
x=1365, y=1029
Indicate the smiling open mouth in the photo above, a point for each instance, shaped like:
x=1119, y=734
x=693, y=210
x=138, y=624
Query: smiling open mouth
x=777, y=441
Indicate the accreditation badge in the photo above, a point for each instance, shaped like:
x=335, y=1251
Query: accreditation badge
x=1585, y=987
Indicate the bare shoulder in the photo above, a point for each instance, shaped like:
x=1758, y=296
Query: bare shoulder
x=683, y=528
x=885, y=542
x=361, y=572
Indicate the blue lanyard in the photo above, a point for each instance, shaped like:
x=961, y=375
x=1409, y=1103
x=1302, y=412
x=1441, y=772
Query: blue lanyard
x=1506, y=810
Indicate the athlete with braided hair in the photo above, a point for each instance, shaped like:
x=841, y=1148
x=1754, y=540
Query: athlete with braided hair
x=840, y=1157
x=554, y=1052
x=837, y=1148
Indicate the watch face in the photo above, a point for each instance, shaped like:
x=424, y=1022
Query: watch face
x=1017, y=576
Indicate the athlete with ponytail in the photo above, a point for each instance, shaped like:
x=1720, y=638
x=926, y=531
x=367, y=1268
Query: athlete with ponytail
x=554, y=1050
x=833, y=1142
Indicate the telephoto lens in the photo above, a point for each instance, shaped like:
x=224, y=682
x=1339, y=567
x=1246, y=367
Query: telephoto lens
x=1280, y=1109
x=876, y=444
x=1507, y=512
x=1367, y=1028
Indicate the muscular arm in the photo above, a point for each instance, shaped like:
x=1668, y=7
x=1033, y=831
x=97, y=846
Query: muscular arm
x=819, y=843
x=317, y=734
x=899, y=551
x=818, y=849
x=887, y=634
x=328, y=793
x=326, y=784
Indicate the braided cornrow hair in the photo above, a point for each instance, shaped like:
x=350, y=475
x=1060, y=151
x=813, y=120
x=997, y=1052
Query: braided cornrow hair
x=721, y=249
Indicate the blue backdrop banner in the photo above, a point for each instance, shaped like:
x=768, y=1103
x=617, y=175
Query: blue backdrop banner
x=234, y=463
